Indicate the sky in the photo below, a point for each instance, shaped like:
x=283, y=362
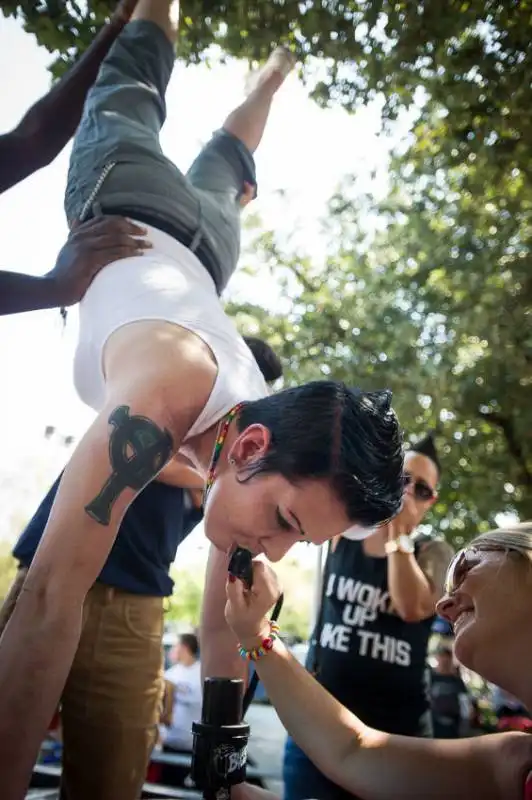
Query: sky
x=305, y=153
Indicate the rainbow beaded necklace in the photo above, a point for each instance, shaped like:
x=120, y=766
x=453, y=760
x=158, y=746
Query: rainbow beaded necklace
x=221, y=436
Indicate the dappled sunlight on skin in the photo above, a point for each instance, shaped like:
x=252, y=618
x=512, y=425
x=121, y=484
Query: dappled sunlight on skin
x=281, y=162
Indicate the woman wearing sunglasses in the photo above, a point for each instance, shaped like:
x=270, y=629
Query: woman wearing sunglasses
x=487, y=599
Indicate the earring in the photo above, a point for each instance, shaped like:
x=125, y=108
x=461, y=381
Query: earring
x=232, y=461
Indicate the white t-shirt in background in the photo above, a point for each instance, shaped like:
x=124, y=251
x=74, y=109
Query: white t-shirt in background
x=187, y=704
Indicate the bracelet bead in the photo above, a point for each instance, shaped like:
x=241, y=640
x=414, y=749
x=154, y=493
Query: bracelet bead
x=265, y=646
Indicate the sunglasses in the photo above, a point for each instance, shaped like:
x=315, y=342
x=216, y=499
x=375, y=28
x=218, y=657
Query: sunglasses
x=463, y=561
x=420, y=488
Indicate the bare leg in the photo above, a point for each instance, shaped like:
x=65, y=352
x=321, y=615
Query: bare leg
x=165, y=14
x=248, y=121
x=41, y=637
x=40, y=640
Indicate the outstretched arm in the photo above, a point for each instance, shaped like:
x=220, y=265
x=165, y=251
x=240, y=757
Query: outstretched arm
x=89, y=248
x=366, y=762
x=219, y=654
x=137, y=432
x=52, y=121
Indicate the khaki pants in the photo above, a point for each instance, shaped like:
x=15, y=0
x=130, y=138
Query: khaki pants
x=112, y=699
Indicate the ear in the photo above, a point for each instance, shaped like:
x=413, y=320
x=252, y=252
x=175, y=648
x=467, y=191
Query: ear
x=250, y=446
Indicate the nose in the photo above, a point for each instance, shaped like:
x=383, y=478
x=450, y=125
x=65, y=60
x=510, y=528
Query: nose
x=446, y=607
x=409, y=487
x=278, y=546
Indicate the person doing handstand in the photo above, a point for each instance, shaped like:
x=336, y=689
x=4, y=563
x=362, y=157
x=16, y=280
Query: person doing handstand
x=166, y=371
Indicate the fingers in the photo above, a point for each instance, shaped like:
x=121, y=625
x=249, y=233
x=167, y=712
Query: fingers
x=264, y=593
x=117, y=241
x=265, y=583
x=106, y=225
x=247, y=610
x=236, y=594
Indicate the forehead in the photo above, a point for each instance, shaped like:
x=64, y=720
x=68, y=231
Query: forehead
x=421, y=466
x=321, y=513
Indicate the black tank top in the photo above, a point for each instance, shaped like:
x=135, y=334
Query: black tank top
x=372, y=661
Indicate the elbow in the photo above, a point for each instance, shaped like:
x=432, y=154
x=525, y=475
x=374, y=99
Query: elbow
x=350, y=758
x=22, y=155
x=415, y=609
x=412, y=612
x=38, y=142
x=43, y=150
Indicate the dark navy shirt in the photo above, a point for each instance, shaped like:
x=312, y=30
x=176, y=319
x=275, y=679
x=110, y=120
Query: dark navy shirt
x=365, y=655
x=155, y=524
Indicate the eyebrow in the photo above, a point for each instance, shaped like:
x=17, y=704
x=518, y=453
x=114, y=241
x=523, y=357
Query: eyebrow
x=298, y=523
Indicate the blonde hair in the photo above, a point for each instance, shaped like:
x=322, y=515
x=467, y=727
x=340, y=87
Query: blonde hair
x=515, y=538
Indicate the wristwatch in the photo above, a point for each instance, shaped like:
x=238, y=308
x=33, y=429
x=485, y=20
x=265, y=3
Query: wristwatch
x=403, y=544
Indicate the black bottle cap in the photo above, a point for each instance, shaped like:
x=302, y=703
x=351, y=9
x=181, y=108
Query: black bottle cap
x=222, y=702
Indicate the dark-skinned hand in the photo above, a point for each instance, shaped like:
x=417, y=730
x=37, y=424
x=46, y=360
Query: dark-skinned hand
x=91, y=246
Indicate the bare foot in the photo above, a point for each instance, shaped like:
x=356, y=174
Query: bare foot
x=280, y=64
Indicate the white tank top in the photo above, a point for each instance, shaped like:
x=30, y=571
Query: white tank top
x=167, y=283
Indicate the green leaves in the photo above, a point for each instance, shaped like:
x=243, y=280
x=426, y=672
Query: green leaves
x=436, y=300
x=421, y=307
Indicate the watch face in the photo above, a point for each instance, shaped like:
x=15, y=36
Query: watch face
x=406, y=544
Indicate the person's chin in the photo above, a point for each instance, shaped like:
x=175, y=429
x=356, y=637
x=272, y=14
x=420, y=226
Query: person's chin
x=214, y=538
x=464, y=639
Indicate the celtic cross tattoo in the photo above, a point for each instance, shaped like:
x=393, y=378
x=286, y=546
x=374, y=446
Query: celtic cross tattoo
x=138, y=450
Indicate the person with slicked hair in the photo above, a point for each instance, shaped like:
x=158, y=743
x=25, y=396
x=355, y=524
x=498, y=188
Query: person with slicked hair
x=111, y=701
x=369, y=647
x=167, y=372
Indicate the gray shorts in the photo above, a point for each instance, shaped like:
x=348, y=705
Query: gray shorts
x=117, y=165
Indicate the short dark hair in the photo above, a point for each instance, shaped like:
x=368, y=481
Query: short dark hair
x=325, y=429
x=190, y=641
x=427, y=447
x=267, y=360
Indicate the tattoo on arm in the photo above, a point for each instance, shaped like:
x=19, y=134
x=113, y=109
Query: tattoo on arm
x=138, y=450
x=434, y=559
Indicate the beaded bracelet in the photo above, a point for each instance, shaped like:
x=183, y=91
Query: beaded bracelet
x=265, y=646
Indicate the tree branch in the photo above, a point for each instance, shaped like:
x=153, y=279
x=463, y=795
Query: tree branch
x=515, y=447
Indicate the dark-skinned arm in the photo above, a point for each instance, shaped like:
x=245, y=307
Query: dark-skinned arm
x=89, y=248
x=52, y=121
